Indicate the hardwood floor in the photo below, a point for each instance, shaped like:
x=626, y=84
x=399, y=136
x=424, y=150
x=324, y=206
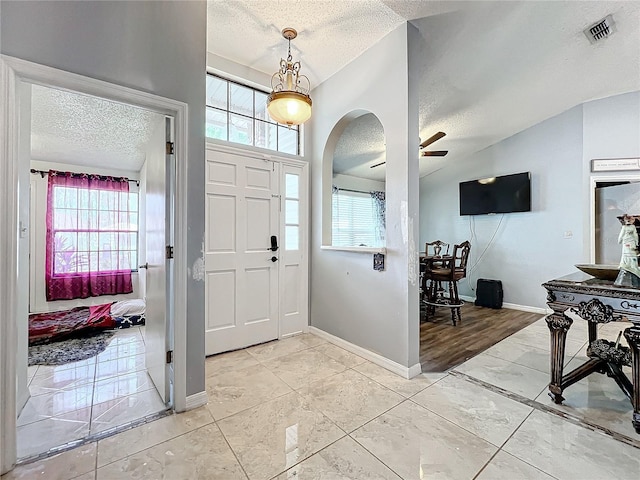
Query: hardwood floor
x=443, y=346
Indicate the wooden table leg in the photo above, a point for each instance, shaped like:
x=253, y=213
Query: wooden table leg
x=559, y=325
x=593, y=332
x=590, y=366
x=632, y=335
x=614, y=371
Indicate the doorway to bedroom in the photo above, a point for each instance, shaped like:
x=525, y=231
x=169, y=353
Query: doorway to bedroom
x=95, y=253
x=612, y=197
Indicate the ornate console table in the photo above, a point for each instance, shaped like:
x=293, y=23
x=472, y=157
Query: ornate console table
x=595, y=301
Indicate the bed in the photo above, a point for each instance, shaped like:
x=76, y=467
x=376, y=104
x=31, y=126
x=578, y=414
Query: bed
x=84, y=321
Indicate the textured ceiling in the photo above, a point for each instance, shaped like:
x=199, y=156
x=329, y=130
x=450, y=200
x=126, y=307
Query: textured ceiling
x=360, y=146
x=81, y=130
x=495, y=69
x=488, y=69
x=249, y=32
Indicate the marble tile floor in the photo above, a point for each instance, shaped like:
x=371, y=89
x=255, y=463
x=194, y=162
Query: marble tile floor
x=72, y=401
x=304, y=409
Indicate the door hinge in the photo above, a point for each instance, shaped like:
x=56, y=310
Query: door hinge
x=170, y=356
x=169, y=148
x=169, y=251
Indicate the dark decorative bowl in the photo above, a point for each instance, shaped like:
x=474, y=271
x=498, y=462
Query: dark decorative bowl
x=601, y=272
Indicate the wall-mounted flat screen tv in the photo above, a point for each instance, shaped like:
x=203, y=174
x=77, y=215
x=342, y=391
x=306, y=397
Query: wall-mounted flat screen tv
x=505, y=194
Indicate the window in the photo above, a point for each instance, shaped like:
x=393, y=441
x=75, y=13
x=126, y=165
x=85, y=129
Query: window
x=238, y=114
x=94, y=230
x=291, y=212
x=355, y=220
x=92, y=236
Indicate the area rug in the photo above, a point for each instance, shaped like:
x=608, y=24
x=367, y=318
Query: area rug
x=70, y=350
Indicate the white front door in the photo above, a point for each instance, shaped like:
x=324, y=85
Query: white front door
x=241, y=270
x=158, y=228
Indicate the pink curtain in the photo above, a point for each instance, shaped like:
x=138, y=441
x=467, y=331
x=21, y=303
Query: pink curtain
x=85, y=218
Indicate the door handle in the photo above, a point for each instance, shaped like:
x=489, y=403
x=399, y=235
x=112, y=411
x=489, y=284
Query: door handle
x=146, y=265
x=274, y=244
x=274, y=259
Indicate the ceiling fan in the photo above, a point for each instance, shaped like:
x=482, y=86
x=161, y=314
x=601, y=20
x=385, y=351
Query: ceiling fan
x=426, y=153
x=433, y=153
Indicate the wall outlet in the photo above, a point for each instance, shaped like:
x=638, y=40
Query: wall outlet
x=568, y=234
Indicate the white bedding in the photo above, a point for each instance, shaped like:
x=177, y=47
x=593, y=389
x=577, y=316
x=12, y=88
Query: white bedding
x=128, y=307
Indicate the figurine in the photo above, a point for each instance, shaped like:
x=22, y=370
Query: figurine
x=629, y=275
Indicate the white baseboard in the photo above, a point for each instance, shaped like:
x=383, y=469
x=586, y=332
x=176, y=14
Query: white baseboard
x=196, y=400
x=413, y=371
x=514, y=306
x=527, y=308
x=405, y=372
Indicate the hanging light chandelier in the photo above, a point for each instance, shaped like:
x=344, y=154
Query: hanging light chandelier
x=289, y=102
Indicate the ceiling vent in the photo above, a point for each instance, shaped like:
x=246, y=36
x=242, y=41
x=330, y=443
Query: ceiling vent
x=600, y=30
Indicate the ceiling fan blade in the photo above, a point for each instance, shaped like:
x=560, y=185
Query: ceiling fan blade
x=433, y=138
x=435, y=153
x=377, y=164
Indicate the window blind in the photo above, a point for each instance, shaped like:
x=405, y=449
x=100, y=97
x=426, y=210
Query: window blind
x=354, y=220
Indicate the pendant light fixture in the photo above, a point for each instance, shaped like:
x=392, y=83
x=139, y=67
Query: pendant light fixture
x=289, y=102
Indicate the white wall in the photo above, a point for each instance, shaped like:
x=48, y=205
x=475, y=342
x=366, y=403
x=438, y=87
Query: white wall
x=158, y=47
x=612, y=127
x=374, y=310
x=358, y=183
x=611, y=130
x=240, y=73
x=530, y=248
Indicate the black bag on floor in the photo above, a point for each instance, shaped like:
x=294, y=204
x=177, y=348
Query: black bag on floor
x=489, y=293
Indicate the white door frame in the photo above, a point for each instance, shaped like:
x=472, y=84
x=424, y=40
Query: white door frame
x=13, y=71
x=283, y=160
x=305, y=214
x=593, y=181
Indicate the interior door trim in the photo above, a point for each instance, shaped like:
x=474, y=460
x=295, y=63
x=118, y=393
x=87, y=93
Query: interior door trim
x=283, y=160
x=254, y=152
x=594, y=179
x=13, y=71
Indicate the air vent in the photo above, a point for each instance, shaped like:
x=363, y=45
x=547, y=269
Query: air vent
x=600, y=30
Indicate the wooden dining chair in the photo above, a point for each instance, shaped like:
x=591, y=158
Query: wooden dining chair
x=433, y=251
x=451, y=270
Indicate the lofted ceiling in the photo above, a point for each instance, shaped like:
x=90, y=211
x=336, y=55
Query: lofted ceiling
x=82, y=130
x=488, y=70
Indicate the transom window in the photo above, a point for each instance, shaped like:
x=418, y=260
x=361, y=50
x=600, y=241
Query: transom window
x=238, y=113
